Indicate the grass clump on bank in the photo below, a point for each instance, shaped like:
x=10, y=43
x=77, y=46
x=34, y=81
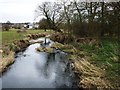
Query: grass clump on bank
x=5, y=62
x=48, y=50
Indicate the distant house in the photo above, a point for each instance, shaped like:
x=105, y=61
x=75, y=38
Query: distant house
x=24, y=26
x=30, y=26
x=21, y=25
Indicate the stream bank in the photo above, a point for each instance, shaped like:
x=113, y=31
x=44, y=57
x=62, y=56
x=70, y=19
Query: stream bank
x=14, y=47
x=89, y=75
x=33, y=69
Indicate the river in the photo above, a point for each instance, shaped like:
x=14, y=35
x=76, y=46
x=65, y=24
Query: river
x=33, y=69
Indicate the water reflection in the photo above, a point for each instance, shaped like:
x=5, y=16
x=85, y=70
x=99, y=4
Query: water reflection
x=34, y=69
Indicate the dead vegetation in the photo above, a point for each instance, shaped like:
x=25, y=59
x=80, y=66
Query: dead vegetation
x=57, y=45
x=5, y=62
x=35, y=36
x=61, y=37
x=19, y=45
x=90, y=75
x=48, y=50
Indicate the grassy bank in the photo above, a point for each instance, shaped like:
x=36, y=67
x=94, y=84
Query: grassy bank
x=5, y=62
x=96, y=62
x=104, y=56
x=7, y=38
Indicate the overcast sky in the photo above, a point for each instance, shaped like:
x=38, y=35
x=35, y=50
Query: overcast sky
x=18, y=10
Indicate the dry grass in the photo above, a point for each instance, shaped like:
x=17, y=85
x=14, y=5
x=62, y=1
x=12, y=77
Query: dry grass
x=91, y=76
x=48, y=50
x=5, y=62
x=57, y=45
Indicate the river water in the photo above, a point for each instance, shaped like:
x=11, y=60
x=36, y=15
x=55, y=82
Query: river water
x=33, y=69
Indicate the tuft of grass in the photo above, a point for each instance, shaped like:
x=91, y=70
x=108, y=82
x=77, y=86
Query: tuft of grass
x=91, y=75
x=5, y=62
x=57, y=45
x=48, y=50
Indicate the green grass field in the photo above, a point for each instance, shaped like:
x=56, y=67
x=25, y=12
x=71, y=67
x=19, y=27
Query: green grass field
x=9, y=36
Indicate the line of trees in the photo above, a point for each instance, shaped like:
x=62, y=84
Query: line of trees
x=84, y=19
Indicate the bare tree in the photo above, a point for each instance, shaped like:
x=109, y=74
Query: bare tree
x=52, y=12
x=82, y=18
